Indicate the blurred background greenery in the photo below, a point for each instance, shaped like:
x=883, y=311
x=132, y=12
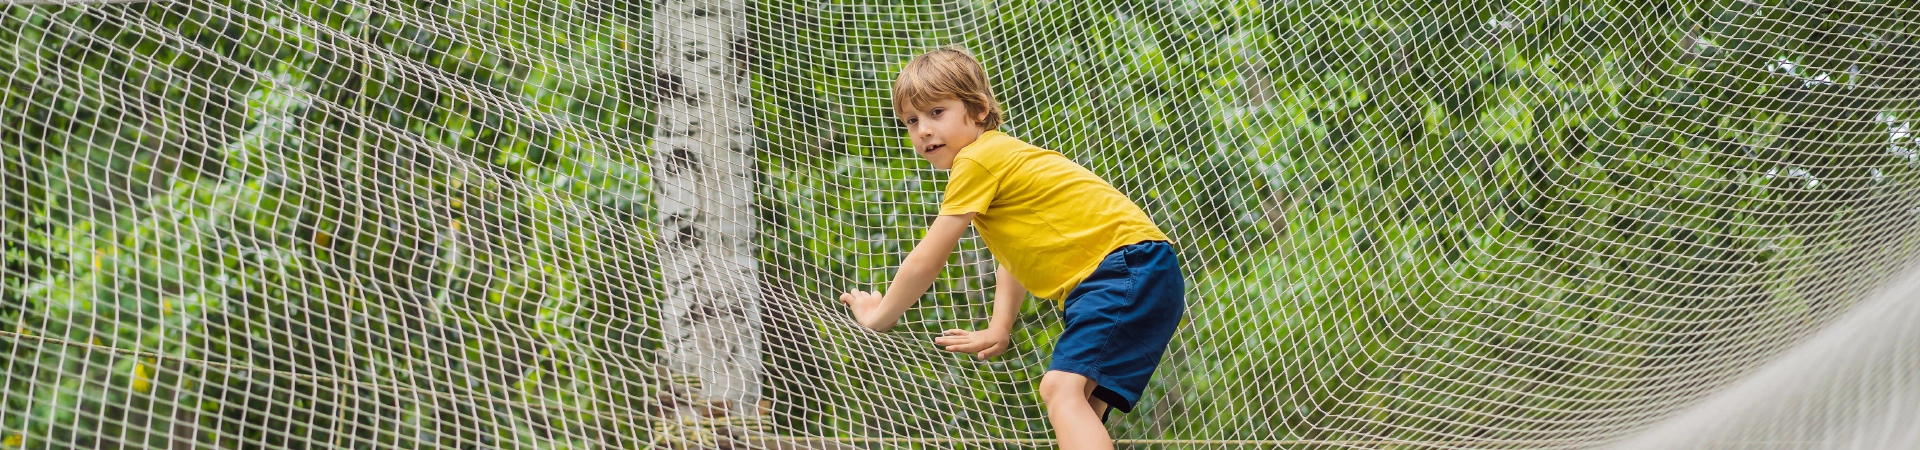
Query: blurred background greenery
x=426, y=224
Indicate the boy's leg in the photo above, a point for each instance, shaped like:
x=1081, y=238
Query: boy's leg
x=1075, y=422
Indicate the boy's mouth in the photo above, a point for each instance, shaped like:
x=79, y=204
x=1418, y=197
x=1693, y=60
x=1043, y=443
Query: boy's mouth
x=935, y=147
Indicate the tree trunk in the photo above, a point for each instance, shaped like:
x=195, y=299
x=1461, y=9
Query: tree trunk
x=703, y=182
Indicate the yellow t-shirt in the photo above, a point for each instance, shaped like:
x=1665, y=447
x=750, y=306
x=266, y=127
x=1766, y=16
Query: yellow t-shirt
x=1049, y=220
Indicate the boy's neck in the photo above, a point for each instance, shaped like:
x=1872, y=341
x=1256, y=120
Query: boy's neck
x=977, y=140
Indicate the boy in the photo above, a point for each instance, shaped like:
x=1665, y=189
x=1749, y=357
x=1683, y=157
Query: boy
x=1053, y=227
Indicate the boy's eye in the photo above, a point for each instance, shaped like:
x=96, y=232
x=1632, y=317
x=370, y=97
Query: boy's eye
x=936, y=112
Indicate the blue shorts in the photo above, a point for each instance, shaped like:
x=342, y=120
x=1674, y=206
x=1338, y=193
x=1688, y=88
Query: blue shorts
x=1119, y=320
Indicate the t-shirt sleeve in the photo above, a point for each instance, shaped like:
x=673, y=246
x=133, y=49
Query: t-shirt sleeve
x=970, y=189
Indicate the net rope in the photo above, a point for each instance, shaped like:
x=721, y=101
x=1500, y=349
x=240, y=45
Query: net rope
x=611, y=224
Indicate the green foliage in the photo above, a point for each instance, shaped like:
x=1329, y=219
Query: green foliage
x=1393, y=210
x=427, y=225
x=241, y=224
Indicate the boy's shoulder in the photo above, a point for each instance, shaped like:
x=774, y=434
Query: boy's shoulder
x=995, y=148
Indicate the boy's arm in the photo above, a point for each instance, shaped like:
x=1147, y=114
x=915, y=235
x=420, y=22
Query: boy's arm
x=998, y=337
x=880, y=312
x=1007, y=295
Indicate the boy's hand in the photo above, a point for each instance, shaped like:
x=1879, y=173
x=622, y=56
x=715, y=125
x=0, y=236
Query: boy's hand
x=866, y=308
x=982, y=344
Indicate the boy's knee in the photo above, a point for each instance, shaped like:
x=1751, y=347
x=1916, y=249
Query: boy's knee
x=1058, y=385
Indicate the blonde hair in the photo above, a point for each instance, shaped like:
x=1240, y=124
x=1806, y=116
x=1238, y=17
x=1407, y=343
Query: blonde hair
x=947, y=73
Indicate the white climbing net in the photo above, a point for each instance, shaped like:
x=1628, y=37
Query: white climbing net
x=610, y=224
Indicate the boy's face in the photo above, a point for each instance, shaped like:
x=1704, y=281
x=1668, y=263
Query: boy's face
x=939, y=132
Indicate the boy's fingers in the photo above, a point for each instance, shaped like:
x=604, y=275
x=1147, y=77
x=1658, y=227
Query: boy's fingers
x=962, y=341
x=989, y=352
x=977, y=346
x=998, y=348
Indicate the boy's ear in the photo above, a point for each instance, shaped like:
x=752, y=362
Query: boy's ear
x=980, y=117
